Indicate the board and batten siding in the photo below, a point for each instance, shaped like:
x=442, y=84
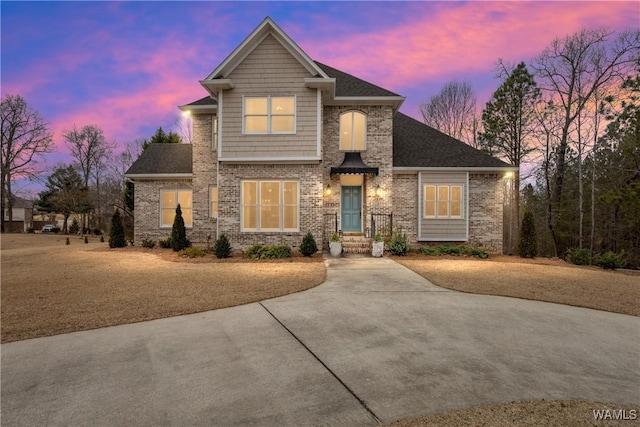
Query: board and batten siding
x=445, y=229
x=269, y=70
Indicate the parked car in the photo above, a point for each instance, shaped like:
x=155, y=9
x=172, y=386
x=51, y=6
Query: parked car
x=50, y=228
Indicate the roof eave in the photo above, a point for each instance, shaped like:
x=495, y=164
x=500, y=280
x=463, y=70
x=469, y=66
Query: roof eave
x=394, y=101
x=198, y=109
x=455, y=168
x=134, y=176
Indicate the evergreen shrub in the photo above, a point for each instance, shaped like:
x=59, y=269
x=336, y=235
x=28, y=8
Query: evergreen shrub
x=268, y=252
x=222, y=247
x=578, y=256
x=116, y=233
x=398, y=244
x=308, y=246
x=527, y=242
x=178, y=237
x=610, y=260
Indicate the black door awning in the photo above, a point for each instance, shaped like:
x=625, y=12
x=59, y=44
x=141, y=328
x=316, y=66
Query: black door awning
x=353, y=164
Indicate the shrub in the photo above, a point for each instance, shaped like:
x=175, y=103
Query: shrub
x=178, y=237
x=527, y=245
x=578, y=256
x=455, y=250
x=610, y=260
x=148, y=243
x=101, y=239
x=377, y=238
x=116, y=233
x=74, y=227
x=67, y=242
x=268, y=252
x=335, y=237
x=193, y=252
x=86, y=239
x=398, y=244
x=97, y=231
x=308, y=246
x=222, y=247
x=164, y=243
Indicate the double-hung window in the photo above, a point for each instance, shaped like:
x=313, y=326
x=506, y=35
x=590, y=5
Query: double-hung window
x=269, y=114
x=169, y=200
x=442, y=201
x=270, y=205
x=353, y=131
x=213, y=202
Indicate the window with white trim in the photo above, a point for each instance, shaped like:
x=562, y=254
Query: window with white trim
x=270, y=205
x=213, y=201
x=442, y=201
x=269, y=114
x=169, y=200
x=353, y=131
x=214, y=134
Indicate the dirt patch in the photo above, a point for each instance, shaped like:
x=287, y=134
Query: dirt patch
x=568, y=413
x=50, y=288
x=550, y=280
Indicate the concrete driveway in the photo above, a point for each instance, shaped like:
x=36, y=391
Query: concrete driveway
x=374, y=343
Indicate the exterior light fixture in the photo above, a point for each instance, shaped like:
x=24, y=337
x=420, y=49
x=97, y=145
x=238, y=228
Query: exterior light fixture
x=328, y=191
x=378, y=191
x=508, y=175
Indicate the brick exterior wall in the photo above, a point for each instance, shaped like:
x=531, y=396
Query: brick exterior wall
x=378, y=153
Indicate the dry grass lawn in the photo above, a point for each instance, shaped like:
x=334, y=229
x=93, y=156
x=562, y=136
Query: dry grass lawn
x=50, y=288
x=539, y=279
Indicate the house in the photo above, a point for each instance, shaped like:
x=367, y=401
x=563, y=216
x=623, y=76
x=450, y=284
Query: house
x=283, y=145
x=22, y=216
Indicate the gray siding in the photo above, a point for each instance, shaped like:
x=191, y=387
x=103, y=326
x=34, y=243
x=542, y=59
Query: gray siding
x=269, y=70
x=443, y=229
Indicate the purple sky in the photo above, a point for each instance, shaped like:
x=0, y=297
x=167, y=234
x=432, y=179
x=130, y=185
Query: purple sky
x=126, y=66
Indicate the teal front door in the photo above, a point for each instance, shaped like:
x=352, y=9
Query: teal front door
x=351, y=208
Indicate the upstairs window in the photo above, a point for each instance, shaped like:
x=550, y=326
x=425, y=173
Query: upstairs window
x=443, y=201
x=269, y=114
x=353, y=131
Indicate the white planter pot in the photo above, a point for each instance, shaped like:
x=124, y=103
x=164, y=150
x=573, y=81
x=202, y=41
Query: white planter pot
x=377, y=249
x=335, y=249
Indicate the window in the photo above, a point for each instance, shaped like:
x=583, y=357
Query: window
x=442, y=201
x=213, y=202
x=270, y=206
x=353, y=131
x=169, y=200
x=270, y=114
x=214, y=134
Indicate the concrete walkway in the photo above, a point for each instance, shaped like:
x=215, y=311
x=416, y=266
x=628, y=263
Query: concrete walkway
x=375, y=342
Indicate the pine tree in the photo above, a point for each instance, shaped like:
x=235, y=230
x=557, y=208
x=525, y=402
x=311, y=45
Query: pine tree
x=527, y=245
x=308, y=246
x=179, y=232
x=222, y=247
x=116, y=233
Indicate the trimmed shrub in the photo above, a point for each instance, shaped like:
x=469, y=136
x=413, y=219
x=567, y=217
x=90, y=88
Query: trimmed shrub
x=148, y=243
x=101, y=239
x=86, y=239
x=455, y=250
x=308, y=246
x=578, y=256
x=610, y=260
x=398, y=244
x=268, y=252
x=67, y=242
x=74, y=228
x=178, y=237
x=116, y=233
x=192, y=252
x=97, y=231
x=527, y=242
x=164, y=243
x=222, y=247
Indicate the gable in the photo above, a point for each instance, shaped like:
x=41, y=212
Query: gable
x=163, y=159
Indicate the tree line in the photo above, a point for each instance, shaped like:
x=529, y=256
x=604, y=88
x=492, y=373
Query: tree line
x=569, y=121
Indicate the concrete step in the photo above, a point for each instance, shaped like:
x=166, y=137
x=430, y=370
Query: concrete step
x=356, y=244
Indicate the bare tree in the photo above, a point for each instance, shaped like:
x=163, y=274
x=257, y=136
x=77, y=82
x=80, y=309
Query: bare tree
x=91, y=150
x=453, y=111
x=25, y=138
x=573, y=68
x=185, y=127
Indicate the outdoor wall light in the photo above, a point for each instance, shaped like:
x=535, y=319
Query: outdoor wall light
x=378, y=191
x=508, y=175
x=328, y=191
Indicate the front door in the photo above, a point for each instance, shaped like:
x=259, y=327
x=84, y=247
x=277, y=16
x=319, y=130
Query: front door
x=351, y=208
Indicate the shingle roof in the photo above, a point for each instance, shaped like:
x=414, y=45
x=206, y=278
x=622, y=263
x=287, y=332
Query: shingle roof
x=163, y=159
x=207, y=100
x=348, y=85
x=418, y=145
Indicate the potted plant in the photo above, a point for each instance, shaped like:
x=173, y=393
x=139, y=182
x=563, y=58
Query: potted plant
x=335, y=245
x=377, y=247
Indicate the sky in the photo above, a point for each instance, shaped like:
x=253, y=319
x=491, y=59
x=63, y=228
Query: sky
x=127, y=66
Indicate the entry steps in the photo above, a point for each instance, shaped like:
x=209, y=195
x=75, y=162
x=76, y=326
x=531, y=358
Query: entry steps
x=356, y=244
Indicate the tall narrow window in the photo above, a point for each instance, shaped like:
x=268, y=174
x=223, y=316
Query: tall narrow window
x=270, y=206
x=442, y=201
x=353, y=131
x=169, y=200
x=213, y=201
x=214, y=134
x=270, y=114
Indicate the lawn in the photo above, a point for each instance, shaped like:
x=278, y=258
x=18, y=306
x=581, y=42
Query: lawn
x=50, y=288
